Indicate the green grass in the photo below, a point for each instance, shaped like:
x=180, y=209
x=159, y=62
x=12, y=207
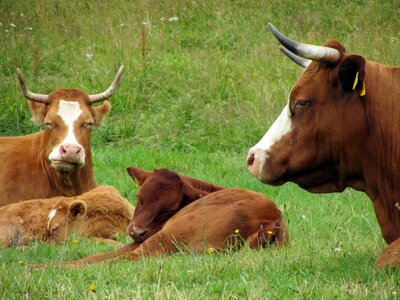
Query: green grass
x=205, y=89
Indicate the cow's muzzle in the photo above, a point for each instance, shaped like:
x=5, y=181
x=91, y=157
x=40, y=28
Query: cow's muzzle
x=68, y=158
x=137, y=233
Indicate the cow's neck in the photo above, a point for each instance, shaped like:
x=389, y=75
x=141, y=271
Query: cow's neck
x=381, y=164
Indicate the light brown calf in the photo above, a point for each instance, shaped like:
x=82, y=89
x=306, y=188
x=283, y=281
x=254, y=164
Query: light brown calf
x=224, y=219
x=101, y=212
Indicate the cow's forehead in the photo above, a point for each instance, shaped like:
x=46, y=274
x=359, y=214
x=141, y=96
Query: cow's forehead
x=69, y=111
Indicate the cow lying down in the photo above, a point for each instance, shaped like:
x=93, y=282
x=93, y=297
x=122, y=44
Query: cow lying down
x=101, y=212
x=176, y=213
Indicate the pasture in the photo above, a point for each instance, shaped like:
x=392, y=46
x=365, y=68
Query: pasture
x=203, y=80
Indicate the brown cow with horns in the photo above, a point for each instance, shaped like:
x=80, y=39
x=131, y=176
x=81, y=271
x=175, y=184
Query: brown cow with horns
x=339, y=129
x=57, y=160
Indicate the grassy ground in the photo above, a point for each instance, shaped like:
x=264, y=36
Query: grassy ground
x=196, y=93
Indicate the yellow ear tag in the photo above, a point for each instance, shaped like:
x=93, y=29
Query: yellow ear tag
x=363, y=90
x=355, y=81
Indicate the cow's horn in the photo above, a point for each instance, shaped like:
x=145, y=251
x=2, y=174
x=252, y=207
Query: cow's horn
x=320, y=53
x=27, y=93
x=109, y=92
x=303, y=62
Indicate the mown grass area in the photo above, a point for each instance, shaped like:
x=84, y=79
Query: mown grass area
x=196, y=93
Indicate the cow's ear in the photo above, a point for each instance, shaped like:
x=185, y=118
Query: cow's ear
x=38, y=111
x=101, y=112
x=190, y=193
x=78, y=209
x=351, y=74
x=138, y=175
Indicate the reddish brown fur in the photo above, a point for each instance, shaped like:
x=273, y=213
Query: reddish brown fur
x=342, y=139
x=101, y=212
x=208, y=223
x=26, y=172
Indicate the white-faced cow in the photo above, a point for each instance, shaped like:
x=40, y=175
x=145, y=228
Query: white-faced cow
x=339, y=129
x=57, y=160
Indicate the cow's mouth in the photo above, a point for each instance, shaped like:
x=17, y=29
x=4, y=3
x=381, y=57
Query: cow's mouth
x=65, y=166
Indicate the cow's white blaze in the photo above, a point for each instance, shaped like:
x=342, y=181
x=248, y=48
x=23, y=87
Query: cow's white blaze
x=52, y=214
x=281, y=126
x=69, y=113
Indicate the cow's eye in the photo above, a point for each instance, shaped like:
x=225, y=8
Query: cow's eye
x=301, y=104
x=88, y=124
x=49, y=125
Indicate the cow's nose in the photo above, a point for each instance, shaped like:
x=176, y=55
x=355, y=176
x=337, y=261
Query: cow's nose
x=137, y=233
x=70, y=149
x=250, y=159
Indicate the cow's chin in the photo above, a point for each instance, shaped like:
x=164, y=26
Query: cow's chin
x=318, y=180
x=65, y=166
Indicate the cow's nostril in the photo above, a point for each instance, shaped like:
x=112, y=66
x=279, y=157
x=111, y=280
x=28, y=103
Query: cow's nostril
x=250, y=160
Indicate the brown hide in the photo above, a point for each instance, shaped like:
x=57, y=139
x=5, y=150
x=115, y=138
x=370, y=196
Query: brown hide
x=101, y=212
x=56, y=161
x=162, y=193
x=390, y=256
x=339, y=137
x=225, y=219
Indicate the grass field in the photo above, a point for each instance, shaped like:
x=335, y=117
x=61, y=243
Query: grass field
x=203, y=81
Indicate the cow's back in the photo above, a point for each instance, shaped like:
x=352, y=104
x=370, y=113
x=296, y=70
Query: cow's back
x=210, y=220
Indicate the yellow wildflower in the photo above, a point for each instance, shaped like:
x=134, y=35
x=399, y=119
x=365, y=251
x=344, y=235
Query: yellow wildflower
x=21, y=262
x=237, y=231
x=75, y=241
x=92, y=288
x=210, y=250
x=269, y=232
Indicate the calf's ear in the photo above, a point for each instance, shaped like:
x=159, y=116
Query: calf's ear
x=138, y=175
x=78, y=209
x=38, y=111
x=351, y=74
x=190, y=193
x=100, y=112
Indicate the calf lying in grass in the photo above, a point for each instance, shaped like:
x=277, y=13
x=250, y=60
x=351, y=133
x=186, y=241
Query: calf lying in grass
x=101, y=212
x=176, y=213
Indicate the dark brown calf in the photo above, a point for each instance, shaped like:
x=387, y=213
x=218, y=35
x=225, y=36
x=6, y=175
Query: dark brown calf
x=219, y=220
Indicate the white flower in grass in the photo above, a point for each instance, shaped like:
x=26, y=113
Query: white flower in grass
x=173, y=19
x=29, y=28
x=1, y=24
x=6, y=30
x=22, y=15
x=122, y=25
x=162, y=19
x=89, y=56
x=13, y=25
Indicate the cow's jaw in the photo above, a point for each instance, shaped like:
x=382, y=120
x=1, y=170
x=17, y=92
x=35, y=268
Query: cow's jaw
x=259, y=154
x=69, y=154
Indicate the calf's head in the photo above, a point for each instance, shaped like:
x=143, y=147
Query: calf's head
x=68, y=116
x=63, y=217
x=316, y=140
x=161, y=194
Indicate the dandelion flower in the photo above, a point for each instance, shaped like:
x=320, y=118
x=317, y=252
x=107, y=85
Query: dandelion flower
x=92, y=288
x=21, y=262
x=210, y=250
x=237, y=231
x=269, y=232
x=75, y=241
